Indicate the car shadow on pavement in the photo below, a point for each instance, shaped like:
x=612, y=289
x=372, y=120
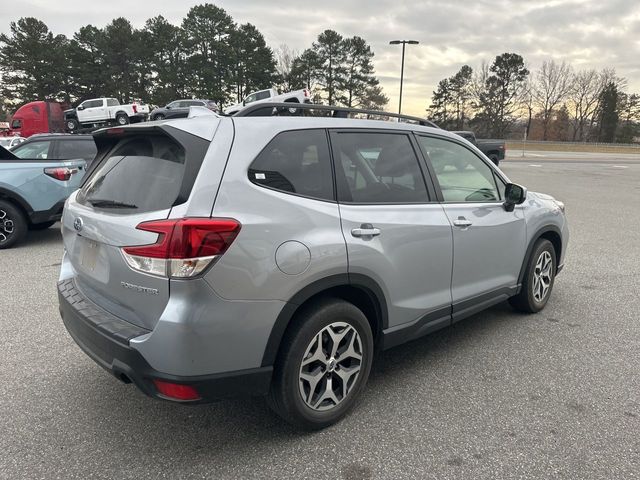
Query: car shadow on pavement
x=40, y=238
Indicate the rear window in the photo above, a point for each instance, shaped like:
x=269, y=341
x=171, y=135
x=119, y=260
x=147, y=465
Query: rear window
x=73, y=149
x=140, y=174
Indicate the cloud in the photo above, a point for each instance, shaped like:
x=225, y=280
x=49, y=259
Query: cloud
x=585, y=33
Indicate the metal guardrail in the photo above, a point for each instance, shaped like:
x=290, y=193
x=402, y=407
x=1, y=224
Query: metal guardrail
x=574, y=144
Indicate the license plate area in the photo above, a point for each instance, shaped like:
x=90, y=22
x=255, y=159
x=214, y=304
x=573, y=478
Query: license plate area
x=88, y=254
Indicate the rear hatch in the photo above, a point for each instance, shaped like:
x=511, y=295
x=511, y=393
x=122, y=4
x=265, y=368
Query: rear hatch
x=139, y=175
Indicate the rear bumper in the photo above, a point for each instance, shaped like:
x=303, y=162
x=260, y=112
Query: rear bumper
x=105, y=338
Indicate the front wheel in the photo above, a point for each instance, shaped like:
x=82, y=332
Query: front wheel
x=159, y=116
x=13, y=225
x=323, y=365
x=538, y=279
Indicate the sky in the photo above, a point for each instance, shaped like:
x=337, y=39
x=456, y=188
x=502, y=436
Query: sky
x=584, y=33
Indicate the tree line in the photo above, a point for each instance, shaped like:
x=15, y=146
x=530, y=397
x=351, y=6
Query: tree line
x=505, y=99
x=208, y=55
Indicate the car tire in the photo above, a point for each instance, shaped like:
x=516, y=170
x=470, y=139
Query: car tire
x=72, y=125
x=538, y=279
x=158, y=117
x=310, y=393
x=13, y=225
x=122, y=119
x=42, y=226
x=494, y=158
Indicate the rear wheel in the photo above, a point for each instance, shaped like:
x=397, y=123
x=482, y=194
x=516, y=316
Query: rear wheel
x=72, y=124
x=494, y=158
x=159, y=116
x=538, y=279
x=13, y=225
x=323, y=365
x=122, y=119
x=42, y=226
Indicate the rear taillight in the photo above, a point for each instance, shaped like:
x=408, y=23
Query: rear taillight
x=306, y=93
x=185, y=247
x=176, y=391
x=135, y=108
x=60, y=173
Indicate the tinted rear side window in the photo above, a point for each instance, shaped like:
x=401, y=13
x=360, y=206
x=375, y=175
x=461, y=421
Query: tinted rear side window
x=72, y=149
x=296, y=162
x=377, y=168
x=141, y=174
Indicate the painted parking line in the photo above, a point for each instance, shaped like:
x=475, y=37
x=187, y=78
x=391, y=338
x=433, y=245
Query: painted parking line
x=620, y=166
x=535, y=165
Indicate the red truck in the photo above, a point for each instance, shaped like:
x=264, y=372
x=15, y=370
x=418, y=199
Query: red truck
x=38, y=117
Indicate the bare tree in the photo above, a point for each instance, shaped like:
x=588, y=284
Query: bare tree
x=552, y=85
x=284, y=63
x=583, y=100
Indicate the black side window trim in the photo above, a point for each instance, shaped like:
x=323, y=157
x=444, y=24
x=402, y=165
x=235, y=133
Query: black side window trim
x=284, y=192
x=341, y=187
x=432, y=172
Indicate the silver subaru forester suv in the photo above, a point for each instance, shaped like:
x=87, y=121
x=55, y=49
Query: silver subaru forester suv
x=270, y=255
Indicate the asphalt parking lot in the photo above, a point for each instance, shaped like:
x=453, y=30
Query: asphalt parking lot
x=500, y=395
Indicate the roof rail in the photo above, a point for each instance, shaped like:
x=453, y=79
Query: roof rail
x=268, y=109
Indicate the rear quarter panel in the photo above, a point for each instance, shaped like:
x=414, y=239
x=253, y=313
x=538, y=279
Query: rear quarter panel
x=41, y=192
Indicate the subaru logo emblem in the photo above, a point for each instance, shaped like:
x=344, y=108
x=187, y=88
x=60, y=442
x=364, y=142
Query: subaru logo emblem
x=77, y=224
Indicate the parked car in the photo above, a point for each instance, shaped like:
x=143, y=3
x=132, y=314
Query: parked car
x=274, y=256
x=37, y=117
x=180, y=109
x=100, y=112
x=10, y=142
x=270, y=95
x=57, y=147
x=495, y=150
x=32, y=193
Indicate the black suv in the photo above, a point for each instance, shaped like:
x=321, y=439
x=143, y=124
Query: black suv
x=57, y=146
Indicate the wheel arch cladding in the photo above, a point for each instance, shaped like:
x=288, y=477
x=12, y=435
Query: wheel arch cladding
x=359, y=290
x=549, y=232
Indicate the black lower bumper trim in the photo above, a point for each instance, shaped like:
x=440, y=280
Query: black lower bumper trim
x=105, y=338
x=54, y=213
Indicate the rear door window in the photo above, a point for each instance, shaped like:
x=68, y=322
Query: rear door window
x=73, y=149
x=33, y=150
x=141, y=174
x=373, y=167
x=296, y=162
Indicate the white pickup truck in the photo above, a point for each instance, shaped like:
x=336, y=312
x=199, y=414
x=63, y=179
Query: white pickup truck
x=99, y=112
x=270, y=95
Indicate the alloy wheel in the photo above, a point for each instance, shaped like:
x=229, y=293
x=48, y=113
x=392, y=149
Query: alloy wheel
x=330, y=366
x=542, y=276
x=6, y=226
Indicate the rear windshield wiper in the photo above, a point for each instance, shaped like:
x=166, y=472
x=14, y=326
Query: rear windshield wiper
x=100, y=203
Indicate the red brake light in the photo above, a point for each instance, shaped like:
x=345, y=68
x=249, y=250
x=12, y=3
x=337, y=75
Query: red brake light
x=60, y=173
x=115, y=131
x=184, y=248
x=176, y=391
x=135, y=108
x=188, y=238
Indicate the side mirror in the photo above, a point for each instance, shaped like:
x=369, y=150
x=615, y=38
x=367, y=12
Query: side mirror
x=514, y=194
x=244, y=102
x=80, y=107
x=168, y=107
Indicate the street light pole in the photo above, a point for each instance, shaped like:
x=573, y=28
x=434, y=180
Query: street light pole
x=404, y=43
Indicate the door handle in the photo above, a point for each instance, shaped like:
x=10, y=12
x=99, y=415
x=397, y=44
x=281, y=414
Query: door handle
x=365, y=230
x=462, y=222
